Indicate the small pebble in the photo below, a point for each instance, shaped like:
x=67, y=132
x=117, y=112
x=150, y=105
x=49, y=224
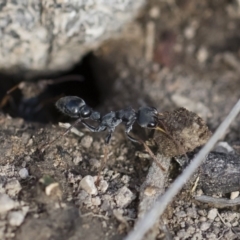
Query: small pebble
x=205, y=226
x=23, y=173
x=95, y=163
x=181, y=214
x=77, y=160
x=125, y=179
x=87, y=184
x=124, y=197
x=150, y=191
x=212, y=214
x=103, y=186
x=202, y=219
x=104, y=224
x=202, y=212
x=13, y=187
x=202, y=55
x=234, y=195
x=154, y=12
x=16, y=218
x=191, y=212
x=96, y=201
x=191, y=230
x=87, y=141
x=6, y=203
x=211, y=236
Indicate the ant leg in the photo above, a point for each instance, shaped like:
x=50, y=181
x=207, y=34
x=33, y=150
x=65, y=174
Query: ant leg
x=147, y=149
x=105, y=158
x=133, y=139
x=42, y=149
x=99, y=128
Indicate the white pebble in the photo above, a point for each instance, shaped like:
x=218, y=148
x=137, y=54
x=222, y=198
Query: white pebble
x=124, y=197
x=234, y=195
x=212, y=214
x=87, y=184
x=16, y=218
x=23, y=173
x=6, y=203
x=87, y=141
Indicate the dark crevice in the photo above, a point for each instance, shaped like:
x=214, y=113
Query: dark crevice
x=35, y=101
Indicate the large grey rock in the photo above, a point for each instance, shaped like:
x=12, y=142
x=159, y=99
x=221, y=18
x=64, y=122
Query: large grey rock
x=44, y=36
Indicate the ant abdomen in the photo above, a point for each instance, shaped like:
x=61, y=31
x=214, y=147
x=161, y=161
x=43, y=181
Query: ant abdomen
x=71, y=106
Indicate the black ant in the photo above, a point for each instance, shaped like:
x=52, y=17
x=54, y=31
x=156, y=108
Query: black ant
x=146, y=117
x=180, y=122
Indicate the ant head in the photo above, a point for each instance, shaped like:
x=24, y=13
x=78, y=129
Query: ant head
x=72, y=106
x=147, y=117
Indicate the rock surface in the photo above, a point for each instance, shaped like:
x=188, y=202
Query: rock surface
x=54, y=35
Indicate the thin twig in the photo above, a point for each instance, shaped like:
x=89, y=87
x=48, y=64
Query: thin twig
x=144, y=224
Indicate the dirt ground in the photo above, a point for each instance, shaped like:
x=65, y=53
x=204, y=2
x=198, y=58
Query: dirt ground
x=176, y=54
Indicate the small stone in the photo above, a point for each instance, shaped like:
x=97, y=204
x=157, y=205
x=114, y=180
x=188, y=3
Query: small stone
x=104, y=224
x=191, y=230
x=84, y=198
x=108, y=202
x=87, y=141
x=234, y=195
x=150, y=191
x=182, y=234
x=6, y=203
x=202, y=212
x=202, y=55
x=13, y=187
x=95, y=163
x=124, y=197
x=191, y=212
x=211, y=236
x=154, y=12
x=96, y=201
x=190, y=32
x=103, y=186
x=16, y=218
x=197, y=236
x=125, y=179
x=23, y=173
x=205, y=226
x=77, y=160
x=181, y=214
x=202, y=219
x=87, y=184
x=212, y=214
